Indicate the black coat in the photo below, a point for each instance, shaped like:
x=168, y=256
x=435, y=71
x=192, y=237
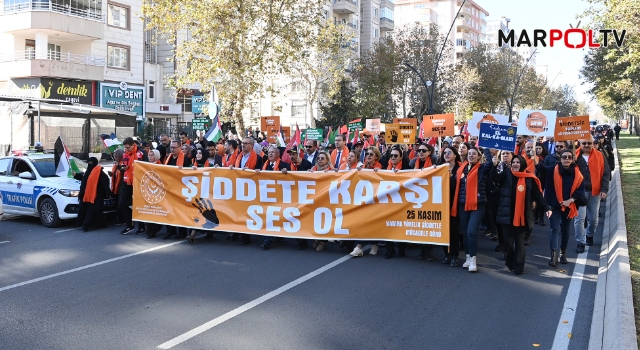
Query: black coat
x=283, y=165
x=506, y=182
x=484, y=175
x=91, y=214
x=412, y=163
x=304, y=165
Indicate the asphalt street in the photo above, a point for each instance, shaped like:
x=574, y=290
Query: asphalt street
x=66, y=289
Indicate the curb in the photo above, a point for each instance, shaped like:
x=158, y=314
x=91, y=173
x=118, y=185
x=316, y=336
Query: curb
x=613, y=322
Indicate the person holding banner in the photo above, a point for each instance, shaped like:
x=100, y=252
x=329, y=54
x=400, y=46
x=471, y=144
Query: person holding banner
x=94, y=188
x=131, y=154
x=371, y=159
x=425, y=158
x=201, y=159
x=396, y=161
x=248, y=159
x=595, y=169
x=518, y=189
x=297, y=163
x=176, y=158
x=450, y=157
x=323, y=163
x=339, y=155
x=273, y=163
x=352, y=162
x=469, y=202
x=232, y=152
x=564, y=191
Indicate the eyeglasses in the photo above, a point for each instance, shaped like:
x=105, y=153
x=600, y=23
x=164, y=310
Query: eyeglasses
x=447, y=153
x=567, y=157
x=308, y=146
x=322, y=158
x=559, y=147
x=587, y=143
x=247, y=143
x=422, y=150
x=395, y=155
x=369, y=154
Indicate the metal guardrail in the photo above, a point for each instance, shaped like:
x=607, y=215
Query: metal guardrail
x=385, y=19
x=355, y=2
x=90, y=14
x=53, y=56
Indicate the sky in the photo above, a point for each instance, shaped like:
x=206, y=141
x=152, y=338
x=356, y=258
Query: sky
x=561, y=64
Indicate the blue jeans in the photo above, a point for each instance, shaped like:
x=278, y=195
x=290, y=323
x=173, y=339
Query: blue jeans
x=469, y=224
x=560, y=225
x=591, y=214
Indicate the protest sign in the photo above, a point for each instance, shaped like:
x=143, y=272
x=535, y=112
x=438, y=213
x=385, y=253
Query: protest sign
x=537, y=122
x=572, y=128
x=481, y=117
x=496, y=136
x=408, y=206
x=437, y=125
x=400, y=133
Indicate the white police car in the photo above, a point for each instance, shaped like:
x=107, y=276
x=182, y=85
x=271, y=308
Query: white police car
x=29, y=186
x=1, y=207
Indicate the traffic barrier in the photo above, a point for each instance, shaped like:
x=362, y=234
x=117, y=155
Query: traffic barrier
x=613, y=322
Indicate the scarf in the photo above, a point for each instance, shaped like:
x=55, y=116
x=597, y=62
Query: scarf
x=115, y=179
x=276, y=166
x=204, y=165
x=251, y=162
x=412, y=154
x=557, y=184
x=531, y=166
x=399, y=167
x=91, y=189
x=220, y=150
x=230, y=159
x=596, y=170
x=130, y=158
x=519, y=217
x=315, y=168
x=179, y=161
x=376, y=165
x=427, y=163
x=347, y=166
x=471, y=202
x=294, y=166
x=344, y=153
x=519, y=151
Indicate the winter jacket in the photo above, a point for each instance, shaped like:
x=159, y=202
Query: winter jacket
x=507, y=182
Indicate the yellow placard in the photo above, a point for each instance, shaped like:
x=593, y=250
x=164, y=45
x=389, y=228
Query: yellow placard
x=400, y=133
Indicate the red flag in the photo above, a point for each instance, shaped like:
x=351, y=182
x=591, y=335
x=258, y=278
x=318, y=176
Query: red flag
x=294, y=142
x=355, y=137
x=421, y=132
x=433, y=141
x=465, y=132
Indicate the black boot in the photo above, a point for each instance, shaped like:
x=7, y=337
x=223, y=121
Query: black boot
x=401, y=250
x=553, y=262
x=430, y=256
x=423, y=253
x=391, y=252
x=563, y=257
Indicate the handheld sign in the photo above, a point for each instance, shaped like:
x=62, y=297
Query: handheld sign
x=437, y=125
x=412, y=121
x=270, y=126
x=373, y=125
x=496, y=136
x=537, y=123
x=400, y=133
x=481, y=117
x=572, y=128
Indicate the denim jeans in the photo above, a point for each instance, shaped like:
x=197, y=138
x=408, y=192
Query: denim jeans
x=560, y=226
x=590, y=212
x=469, y=224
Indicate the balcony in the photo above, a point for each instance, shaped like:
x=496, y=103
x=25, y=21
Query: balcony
x=463, y=23
x=386, y=24
x=344, y=7
x=21, y=64
x=72, y=23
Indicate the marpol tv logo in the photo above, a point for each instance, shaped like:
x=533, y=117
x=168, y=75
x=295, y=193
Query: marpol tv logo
x=572, y=38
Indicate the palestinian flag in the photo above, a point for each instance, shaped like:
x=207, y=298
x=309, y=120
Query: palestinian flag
x=293, y=142
x=111, y=142
x=65, y=165
x=280, y=138
x=215, y=133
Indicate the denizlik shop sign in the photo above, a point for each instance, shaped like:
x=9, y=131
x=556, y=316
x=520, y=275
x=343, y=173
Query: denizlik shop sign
x=58, y=89
x=123, y=97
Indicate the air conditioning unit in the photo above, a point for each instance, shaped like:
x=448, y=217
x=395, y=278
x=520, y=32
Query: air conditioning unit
x=164, y=108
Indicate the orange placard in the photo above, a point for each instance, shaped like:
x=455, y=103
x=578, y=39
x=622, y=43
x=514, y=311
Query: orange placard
x=408, y=206
x=400, y=133
x=270, y=125
x=286, y=130
x=437, y=125
x=572, y=128
x=411, y=121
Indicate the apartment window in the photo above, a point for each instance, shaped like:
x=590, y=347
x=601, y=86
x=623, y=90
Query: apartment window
x=387, y=13
x=29, y=49
x=297, y=86
x=376, y=33
x=420, y=6
x=185, y=99
x=151, y=90
x=298, y=108
x=54, y=51
x=118, y=15
x=118, y=56
x=375, y=12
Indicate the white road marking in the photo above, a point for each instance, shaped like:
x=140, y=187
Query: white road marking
x=235, y=312
x=561, y=340
x=5, y=242
x=69, y=229
x=87, y=266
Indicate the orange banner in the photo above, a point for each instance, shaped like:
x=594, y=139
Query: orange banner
x=408, y=206
x=437, y=125
x=572, y=128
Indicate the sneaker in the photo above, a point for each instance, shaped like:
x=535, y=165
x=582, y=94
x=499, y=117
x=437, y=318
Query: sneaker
x=140, y=231
x=127, y=230
x=494, y=237
x=374, y=250
x=467, y=262
x=472, y=265
x=357, y=252
x=580, y=248
x=447, y=260
x=589, y=241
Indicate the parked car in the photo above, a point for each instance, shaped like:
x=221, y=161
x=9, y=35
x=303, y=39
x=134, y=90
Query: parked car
x=1, y=207
x=29, y=186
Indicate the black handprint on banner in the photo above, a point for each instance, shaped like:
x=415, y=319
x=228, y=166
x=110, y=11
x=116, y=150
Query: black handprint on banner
x=394, y=136
x=205, y=208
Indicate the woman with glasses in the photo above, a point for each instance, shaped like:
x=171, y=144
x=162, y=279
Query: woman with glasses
x=371, y=159
x=352, y=162
x=469, y=202
x=564, y=191
x=504, y=160
x=425, y=158
x=395, y=163
x=323, y=163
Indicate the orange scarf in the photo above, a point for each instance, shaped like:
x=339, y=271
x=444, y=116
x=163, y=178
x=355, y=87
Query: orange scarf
x=91, y=189
x=531, y=166
x=519, y=217
x=294, y=166
x=412, y=154
x=596, y=170
x=343, y=156
x=131, y=157
x=390, y=166
x=519, y=151
x=115, y=178
x=179, y=161
x=251, y=162
x=205, y=165
x=376, y=165
x=577, y=180
x=347, y=166
x=315, y=168
x=276, y=166
x=231, y=158
x=471, y=189
x=427, y=163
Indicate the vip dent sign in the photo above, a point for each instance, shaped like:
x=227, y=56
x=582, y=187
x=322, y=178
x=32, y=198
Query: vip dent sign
x=408, y=206
x=123, y=97
x=537, y=123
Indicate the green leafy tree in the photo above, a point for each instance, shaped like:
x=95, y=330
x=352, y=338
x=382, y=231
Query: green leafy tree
x=341, y=109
